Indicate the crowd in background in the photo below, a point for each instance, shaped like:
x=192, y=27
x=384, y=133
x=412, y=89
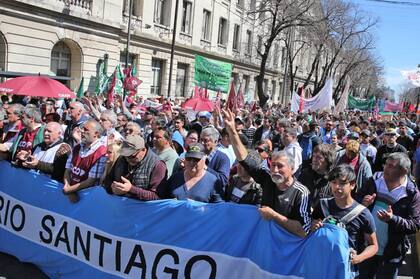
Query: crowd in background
x=301, y=170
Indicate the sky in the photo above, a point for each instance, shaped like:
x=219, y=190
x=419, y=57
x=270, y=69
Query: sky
x=398, y=36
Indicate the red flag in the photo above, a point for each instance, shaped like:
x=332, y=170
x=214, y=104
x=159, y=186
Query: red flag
x=240, y=102
x=217, y=103
x=254, y=106
x=110, y=95
x=301, y=93
x=196, y=92
x=231, y=102
x=411, y=108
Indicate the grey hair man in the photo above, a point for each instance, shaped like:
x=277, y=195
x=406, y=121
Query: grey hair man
x=76, y=113
x=394, y=201
x=217, y=162
x=86, y=164
x=30, y=136
x=284, y=200
x=108, y=120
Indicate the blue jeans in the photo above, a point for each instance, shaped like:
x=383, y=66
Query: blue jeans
x=377, y=268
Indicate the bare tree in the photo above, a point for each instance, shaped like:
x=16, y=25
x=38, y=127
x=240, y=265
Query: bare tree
x=335, y=46
x=272, y=17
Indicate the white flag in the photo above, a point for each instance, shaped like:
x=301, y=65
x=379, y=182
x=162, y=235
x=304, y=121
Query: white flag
x=321, y=101
x=412, y=76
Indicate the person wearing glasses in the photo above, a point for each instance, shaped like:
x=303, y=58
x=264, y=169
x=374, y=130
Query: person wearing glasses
x=13, y=127
x=76, y=112
x=86, y=164
x=137, y=172
x=194, y=182
x=132, y=128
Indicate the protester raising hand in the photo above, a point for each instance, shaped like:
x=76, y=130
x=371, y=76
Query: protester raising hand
x=229, y=119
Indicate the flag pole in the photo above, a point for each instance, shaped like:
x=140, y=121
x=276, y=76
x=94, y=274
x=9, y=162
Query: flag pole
x=171, y=65
x=127, y=48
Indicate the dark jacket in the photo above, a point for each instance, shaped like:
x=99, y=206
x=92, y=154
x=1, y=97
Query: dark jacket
x=405, y=219
x=220, y=167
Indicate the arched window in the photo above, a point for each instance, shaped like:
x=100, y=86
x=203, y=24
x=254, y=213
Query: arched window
x=61, y=59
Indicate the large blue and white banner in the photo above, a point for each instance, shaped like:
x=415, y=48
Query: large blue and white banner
x=105, y=236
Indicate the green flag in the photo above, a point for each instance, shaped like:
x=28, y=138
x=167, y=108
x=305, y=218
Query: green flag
x=80, y=91
x=118, y=88
x=361, y=104
x=102, y=78
x=212, y=74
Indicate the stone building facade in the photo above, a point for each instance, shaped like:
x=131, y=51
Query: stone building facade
x=69, y=37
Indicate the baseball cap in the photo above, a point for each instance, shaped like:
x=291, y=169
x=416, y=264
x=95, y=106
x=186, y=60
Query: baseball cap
x=353, y=135
x=239, y=119
x=365, y=133
x=195, y=150
x=131, y=145
x=205, y=114
x=390, y=131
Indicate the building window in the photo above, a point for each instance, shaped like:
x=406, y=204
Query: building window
x=276, y=55
x=236, y=34
x=252, y=5
x=240, y=3
x=2, y=53
x=157, y=67
x=246, y=80
x=273, y=89
x=61, y=60
x=259, y=44
x=283, y=56
x=131, y=59
x=181, y=80
x=205, y=32
x=137, y=8
x=162, y=12
x=248, y=41
x=221, y=38
x=186, y=17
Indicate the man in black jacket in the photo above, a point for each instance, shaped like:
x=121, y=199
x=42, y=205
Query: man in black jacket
x=390, y=146
x=395, y=204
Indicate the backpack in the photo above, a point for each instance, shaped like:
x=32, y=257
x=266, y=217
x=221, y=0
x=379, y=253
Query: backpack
x=306, y=143
x=345, y=219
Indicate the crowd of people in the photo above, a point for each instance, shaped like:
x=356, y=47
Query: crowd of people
x=301, y=170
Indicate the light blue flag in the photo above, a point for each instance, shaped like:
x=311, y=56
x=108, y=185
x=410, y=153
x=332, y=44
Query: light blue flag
x=105, y=236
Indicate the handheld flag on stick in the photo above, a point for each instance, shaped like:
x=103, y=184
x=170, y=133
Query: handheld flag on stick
x=231, y=103
x=80, y=91
x=102, y=78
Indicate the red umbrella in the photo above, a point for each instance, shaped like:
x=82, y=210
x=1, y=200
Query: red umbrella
x=36, y=86
x=198, y=104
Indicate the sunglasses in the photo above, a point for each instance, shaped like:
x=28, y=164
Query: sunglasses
x=260, y=150
x=133, y=156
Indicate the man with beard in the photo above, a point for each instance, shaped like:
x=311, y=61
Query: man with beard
x=87, y=162
x=314, y=176
x=284, y=199
x=77, y=118
x=391, y=146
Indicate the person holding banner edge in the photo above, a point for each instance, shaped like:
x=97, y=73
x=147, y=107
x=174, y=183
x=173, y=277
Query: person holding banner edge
x=284, y=199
